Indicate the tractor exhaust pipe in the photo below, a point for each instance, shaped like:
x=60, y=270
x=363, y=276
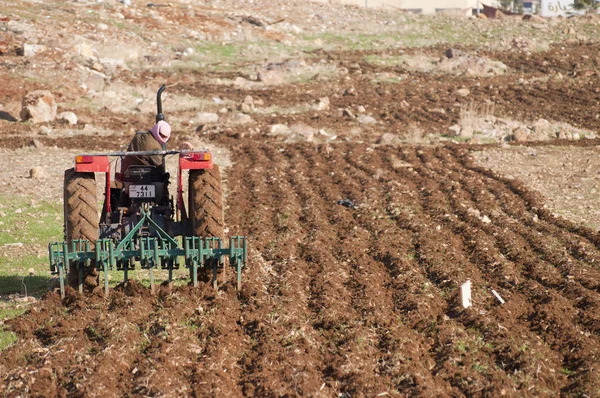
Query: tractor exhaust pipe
x=159, y=114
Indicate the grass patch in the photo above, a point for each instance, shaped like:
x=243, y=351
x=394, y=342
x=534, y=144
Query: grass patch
x=8, y=338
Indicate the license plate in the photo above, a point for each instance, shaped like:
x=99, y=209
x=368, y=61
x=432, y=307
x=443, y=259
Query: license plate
x=141, y=191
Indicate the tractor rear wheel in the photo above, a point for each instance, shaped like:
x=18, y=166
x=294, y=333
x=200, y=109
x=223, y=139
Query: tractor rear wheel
x=81, y=219
x=205, y=198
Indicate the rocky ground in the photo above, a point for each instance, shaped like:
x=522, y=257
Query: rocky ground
x=466, y=146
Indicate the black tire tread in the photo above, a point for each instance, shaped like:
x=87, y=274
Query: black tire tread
x=205, y=198
x=81, y=214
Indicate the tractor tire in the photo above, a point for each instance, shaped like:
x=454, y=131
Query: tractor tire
x=81, y=219
x=205, y=199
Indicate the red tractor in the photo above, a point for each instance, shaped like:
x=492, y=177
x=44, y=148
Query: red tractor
x=141, y=223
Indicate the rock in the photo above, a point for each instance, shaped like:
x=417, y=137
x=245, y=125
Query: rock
x=102, y=26
x=466, y=132
x=223, y=110
x=206, y=118
x=30, y=50
x=270, y=77
x=39, y=107
x=328, y=137
x=541, y=129
x=534, y=18
x=388, y=139
x=361, y=109
x=44, y=130
x=67, y=117
x=322, y=104
x=247, y=105
x=351, y=91
x=35, y=144
x=97, y=66
x=454, y=131
x=485, y=220
x=279, y=129
x=302, y=132
x=240, y=82
x=366, y=119
x=454, y=53
x=241, y=118
x=346, y=112
x=463, y=92
x=31, y=271
x=37, y=173
x=520, y=134
x=84, y=50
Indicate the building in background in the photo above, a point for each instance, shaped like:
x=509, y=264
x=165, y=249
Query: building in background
x=458, y=7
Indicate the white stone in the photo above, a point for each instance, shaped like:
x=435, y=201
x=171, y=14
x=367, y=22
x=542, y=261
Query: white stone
x=30, y=50
x=206, y=118
x=465, y=294
x=37, y=172
x=67, y=117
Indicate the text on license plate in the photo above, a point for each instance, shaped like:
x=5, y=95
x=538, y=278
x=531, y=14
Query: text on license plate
x=141, y=191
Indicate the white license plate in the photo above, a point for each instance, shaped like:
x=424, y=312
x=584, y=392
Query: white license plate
x=141, y=191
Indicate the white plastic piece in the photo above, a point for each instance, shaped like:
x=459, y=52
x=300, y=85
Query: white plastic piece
x=465, y=294
x=500, y=299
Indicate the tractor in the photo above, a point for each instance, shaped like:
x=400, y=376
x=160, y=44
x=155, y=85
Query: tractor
x=140, y=223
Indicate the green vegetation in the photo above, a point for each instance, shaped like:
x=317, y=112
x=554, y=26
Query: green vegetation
x=8, y=338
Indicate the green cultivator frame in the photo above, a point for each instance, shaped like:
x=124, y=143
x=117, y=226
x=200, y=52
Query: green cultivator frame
x=152, y=252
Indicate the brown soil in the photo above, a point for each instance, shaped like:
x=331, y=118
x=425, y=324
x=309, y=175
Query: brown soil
x=337, y=300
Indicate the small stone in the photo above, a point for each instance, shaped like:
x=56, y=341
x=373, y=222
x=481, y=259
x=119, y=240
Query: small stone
x=485, y=220
x=388, y=139
x=351, y=91
x=37, y=172
x=67, y=117
x=279, y=129
x=366, y=119
x=322, y=104
x=454, y=131
x=520, y=134
x=31, y=50
x=463, y=92
x=31, y=271
x=206, y=118
x=347, y=112
x=84, y=50
x=361, y=109
x=241, y=118
x=247, y=105
x=35, y=144
x=102, y=26
x=97, y=66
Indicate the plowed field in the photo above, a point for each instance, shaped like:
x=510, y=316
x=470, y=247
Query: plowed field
x=359, y=301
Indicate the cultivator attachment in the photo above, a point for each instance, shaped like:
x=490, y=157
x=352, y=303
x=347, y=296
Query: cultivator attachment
x=160, y=250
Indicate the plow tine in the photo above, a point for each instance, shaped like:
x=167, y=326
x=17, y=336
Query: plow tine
x=61, y=270
x=80, y=278
x=151, y=280
x=215, y=262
